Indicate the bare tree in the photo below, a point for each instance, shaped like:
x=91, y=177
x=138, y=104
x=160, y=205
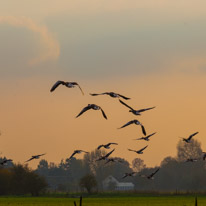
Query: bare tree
x=188, y=150
x=138, y=164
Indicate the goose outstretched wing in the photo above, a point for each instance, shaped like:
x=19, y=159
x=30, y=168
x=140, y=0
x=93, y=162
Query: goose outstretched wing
x=192, y=135
x=75, y=83
x=132, y=150
x=150, y=176
x=84, y=110
x=143, y=130
x=128, y=123
x=107, y=155
x=103, y=113
x=125, y=104
x=95, y=94
x=142, y=149
x=100, y=146
x=56, y=85
x=143, y=110
x=126, y=98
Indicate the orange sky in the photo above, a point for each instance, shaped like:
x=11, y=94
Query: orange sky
x=35, y=121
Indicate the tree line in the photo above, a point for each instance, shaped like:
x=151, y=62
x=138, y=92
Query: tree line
x=87, y=174
x=17, y=179
x=175, y=174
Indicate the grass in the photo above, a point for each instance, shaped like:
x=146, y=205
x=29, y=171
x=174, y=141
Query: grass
x=105, y=201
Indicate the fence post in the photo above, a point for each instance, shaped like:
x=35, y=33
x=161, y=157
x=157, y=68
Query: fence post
x=75, y=203
x=80, y=202
x=196, y=201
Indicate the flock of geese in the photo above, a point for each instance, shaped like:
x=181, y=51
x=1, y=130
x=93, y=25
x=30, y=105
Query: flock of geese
x=106, y=157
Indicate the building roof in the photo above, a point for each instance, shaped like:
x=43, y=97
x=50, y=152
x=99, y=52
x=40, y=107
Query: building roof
x=125, y=184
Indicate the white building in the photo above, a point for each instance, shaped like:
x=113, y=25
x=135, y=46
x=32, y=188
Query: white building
x=120, y=186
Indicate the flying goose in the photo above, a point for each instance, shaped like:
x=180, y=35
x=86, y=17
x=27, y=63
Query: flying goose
x=131, y=174
x=191, y=160
x=77, y=152
x=151, y=176
x=112, y=94
x=135, y=121
x=92, y=106
x=139, y=151
x=67, y=84
x=105, y=157
x=188, y=140
x=146, y=138
x=106, y=146
x=35, y=157
x=4, y=162
x=135, y=112
x=113, y=160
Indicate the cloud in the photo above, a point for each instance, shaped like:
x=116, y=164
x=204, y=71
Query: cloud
x=51, y=46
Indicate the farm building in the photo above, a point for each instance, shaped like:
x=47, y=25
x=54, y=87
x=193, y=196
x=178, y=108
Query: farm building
x=110, y=183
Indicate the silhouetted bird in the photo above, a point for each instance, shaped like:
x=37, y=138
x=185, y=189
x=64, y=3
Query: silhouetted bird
x=112, y=94
x=139, y=151
x=4, y=162
x=35, y=157
x=67, y=84
x=151, y=176
x=106, y=146
x=131, y=174
x=191, y=160
x=77, y=152
x=188, y=140
x=135, y=112
x=135, y=121
x=92, y=106
x=113, y=160
x=105, y=157
x=146, y=138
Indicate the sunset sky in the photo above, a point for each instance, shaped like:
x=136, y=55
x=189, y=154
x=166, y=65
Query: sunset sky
x=152, y=51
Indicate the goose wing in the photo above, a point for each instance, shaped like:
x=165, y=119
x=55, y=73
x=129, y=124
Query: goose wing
x=100, y=146
x=40, y=155
x=73, y=154
x=142, y=149
x=192, y=135
x=30, y=159
x=125, y=104
x=75, y=83
x=125, y=175
x=143, y=130
x=150, y=135
x=56, y=85
x=84, y=110
x=111, y=143
x=143, y=110
x=126, y=98
x=104, y=115
x=84, y=151
x=139, y=138
x=128, y=123
x=93, y=94
x=107, y=155
x=132, y=150
x=154, y=173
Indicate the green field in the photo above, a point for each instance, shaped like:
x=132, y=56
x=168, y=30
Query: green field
x=106, y=201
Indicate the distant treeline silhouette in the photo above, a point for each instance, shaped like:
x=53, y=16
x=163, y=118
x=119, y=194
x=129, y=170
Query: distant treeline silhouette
x=176, y=173
x=20, y=180
x=71, y=175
